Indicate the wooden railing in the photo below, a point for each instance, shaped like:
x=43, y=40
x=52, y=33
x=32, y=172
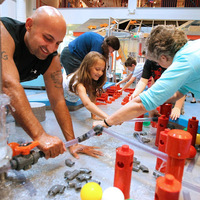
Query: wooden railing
x=117, y=3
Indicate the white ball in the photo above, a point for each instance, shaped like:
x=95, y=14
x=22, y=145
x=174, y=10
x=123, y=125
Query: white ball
x=112, y=193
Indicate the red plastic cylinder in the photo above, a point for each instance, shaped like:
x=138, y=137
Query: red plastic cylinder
x=178, y=149
x=161, y=126
x=139, y=125
x=160, y=164
x=154, y=124
x=123, y=169
x=167, y=187
x=166, y=109
x=193, y=128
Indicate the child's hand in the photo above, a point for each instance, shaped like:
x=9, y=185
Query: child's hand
x=131, y=97
x=95, y=117
x=101, y=123
x=175, y=114
x=120, y=91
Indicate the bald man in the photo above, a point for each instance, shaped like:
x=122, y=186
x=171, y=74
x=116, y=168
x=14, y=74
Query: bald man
x=28, y=50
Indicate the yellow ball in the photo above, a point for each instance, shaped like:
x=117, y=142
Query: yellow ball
x=91, y=191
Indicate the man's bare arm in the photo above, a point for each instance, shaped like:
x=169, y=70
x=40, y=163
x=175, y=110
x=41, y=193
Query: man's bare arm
x=52, y=146
x=53, y=83
x=12, y=87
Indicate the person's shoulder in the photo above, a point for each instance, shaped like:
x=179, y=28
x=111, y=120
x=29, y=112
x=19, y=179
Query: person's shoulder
x=13, y=26
x=8, y=20
x=191, y=47
x=93, y=34
x=81, y=87
x=89, y=33
x=150, y=62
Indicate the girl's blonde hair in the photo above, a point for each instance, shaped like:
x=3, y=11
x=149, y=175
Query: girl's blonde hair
x=82, y=75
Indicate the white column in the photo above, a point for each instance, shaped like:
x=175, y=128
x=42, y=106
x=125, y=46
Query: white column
x=21, y=10
x=132, y=4
x=7, y=9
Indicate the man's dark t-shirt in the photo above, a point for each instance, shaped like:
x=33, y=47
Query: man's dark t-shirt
x=28, y=65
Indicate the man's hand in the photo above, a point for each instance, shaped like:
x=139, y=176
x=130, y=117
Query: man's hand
x=51, y=146
x=89, y=150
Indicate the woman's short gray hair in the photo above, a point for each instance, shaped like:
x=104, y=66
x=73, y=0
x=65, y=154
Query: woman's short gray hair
x=165, y=40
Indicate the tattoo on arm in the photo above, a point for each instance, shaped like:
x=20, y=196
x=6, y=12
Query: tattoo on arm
x=4, y=56
x=57, y=79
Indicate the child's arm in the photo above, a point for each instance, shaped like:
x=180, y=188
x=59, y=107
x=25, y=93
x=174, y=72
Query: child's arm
x=176, y=111
x=139, y=87
x=125, y=79
x=88, y=103
x=93, y=116
x=128, y=83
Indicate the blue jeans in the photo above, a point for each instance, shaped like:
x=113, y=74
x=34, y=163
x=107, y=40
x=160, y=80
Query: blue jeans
x=69, y=61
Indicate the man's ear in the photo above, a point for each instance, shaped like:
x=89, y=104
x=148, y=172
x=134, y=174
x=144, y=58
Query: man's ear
x=29, y=24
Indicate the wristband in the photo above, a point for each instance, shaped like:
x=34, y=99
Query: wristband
x=106, y=123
